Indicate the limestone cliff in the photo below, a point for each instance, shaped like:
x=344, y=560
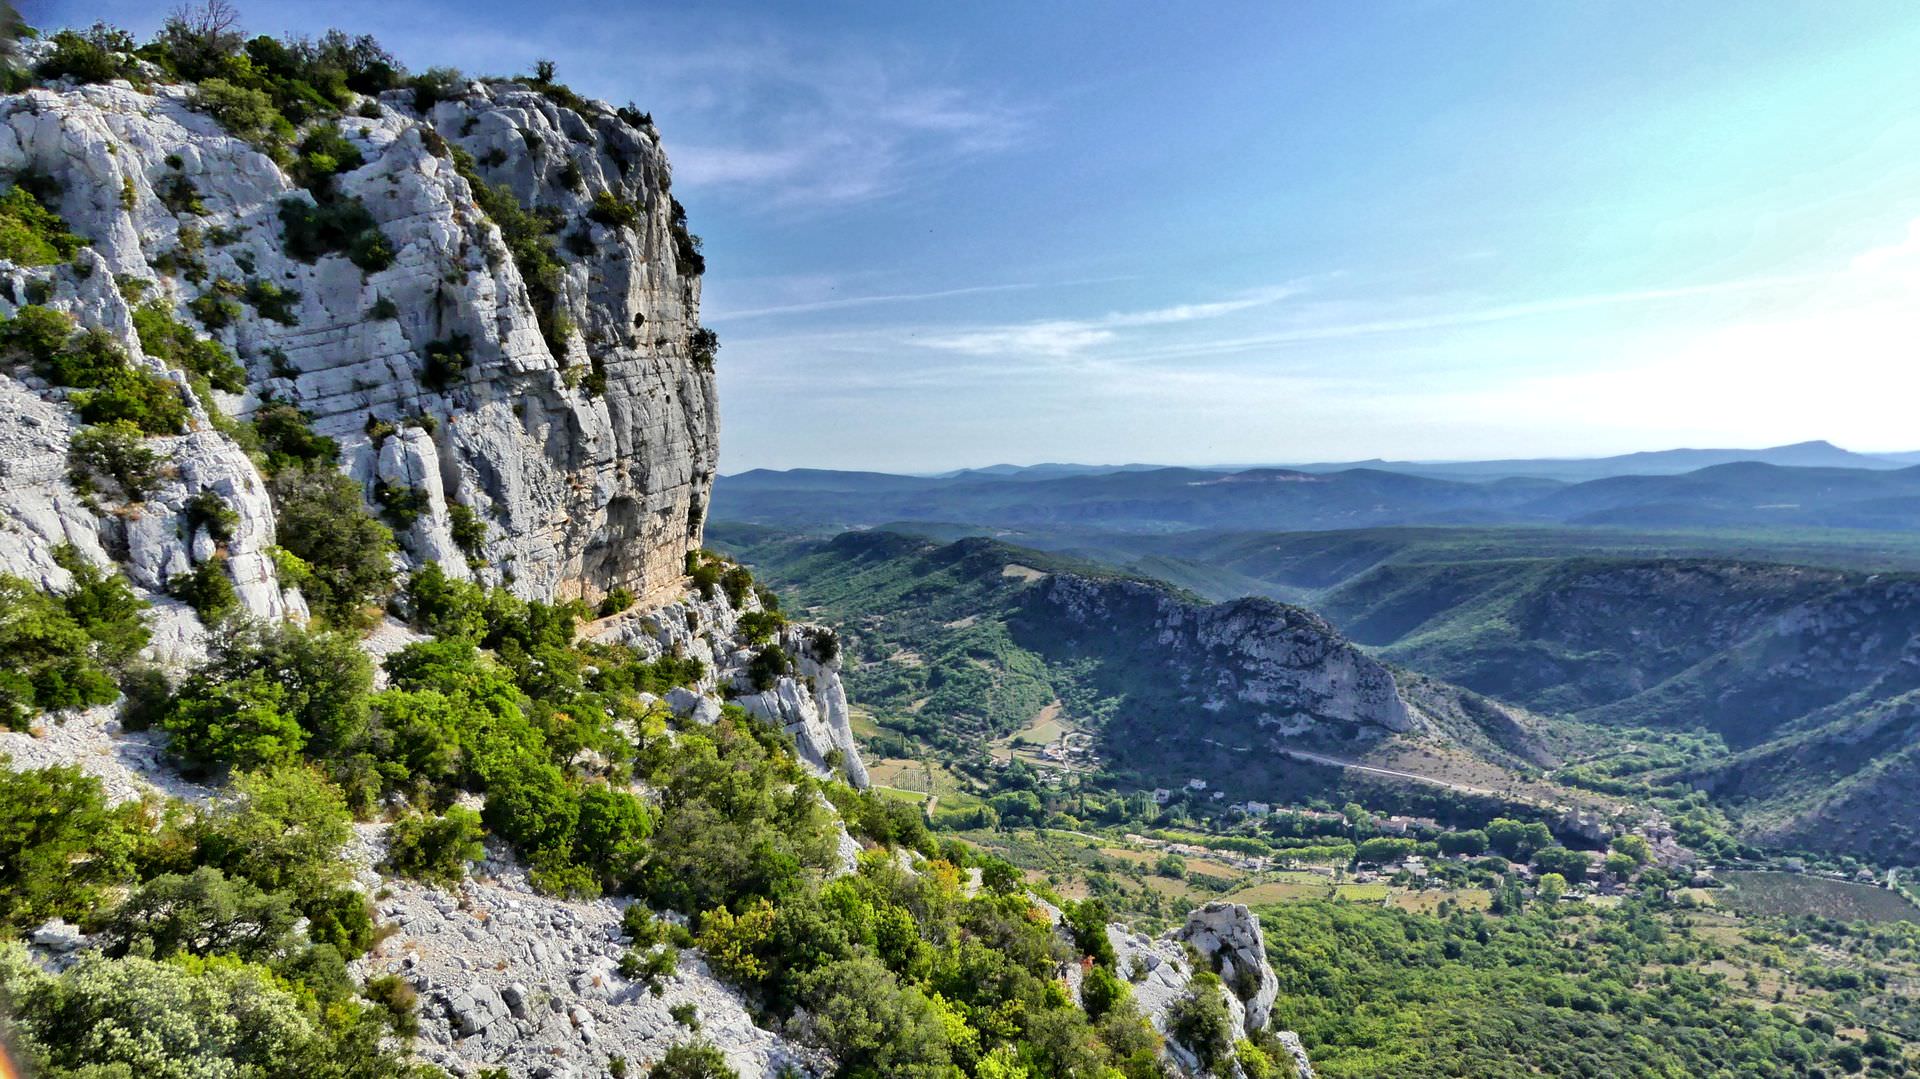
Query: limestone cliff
x=570, y=409
x=1282, y=665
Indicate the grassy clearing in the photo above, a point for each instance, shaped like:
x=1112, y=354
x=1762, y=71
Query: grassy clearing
x=900, y=773
x=1429, y=901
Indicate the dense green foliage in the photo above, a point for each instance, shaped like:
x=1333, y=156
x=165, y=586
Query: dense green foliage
x=203, y=967
x=31, y=234
x=339, y=226
x=435, y=849
x=1601, y=993
x=109, y=389
x=63, y=650
x=324, y=523
x=60, y=845
x=208, y=589
x=166, y=338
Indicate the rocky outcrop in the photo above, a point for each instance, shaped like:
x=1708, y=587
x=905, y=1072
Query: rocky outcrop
x=808, y=703
x=1228, y=937
x=1224, y=938
x=1283, y=666
x=569, y=410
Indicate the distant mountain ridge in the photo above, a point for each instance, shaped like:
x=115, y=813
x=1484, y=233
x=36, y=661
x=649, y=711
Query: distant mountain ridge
x=1814, y=454
x=1817, y=453
x=1739, y=494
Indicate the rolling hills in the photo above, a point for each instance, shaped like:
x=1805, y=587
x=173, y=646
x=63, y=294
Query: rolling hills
x=1804, y=677
x=1738, y=495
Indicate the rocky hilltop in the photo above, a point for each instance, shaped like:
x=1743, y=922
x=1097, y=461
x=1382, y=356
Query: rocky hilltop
x=1282, y=662
x=559, y=417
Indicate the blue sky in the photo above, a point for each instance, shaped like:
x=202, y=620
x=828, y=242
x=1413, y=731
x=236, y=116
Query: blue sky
x=947, y=235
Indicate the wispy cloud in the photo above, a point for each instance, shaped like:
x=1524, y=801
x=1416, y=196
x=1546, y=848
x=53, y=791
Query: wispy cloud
x=1067, y=337
x=878, y=299
x=1441, y=320
x=818, y=127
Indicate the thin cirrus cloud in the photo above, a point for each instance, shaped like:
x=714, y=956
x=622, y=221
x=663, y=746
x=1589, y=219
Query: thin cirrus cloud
x=1067, y=337
x=840, y=303
x=819, y=130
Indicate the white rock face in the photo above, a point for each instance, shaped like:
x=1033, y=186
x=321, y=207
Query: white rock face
x=588, y=460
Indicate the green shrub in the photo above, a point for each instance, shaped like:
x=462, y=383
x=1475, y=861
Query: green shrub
x=614, y=602
x=287, y=439
x=611, y=833
x=398, y=1000
x=104, y=606
x=686, y=246
x=614, y=212
x=282, y=831
x=686, y=1013
x=469, y=530
x=208, y=589
x=858, y=1011
x=323, y=522
x=340, y=226
x=1200, y=1021
x=152, y=404
x=272, y=301
x=179, y=196
x=206, y=509
x=435, y=85
x=166, y=338
x=435, y=849
x=201, y=913
x=760, y=627
x=702, y=344
x=31, y=234
x=232, y=721
x=384, y=308
x=1087, y=920
x=1101, y=991
x=115, y=451
x=137, y=1016
x=401, y=506
x=692, y=1060
x=108, y=387
x=826, y=644
x=97, y=54
x=245, y=112
x=217, y=309
x=768, y=665
x=324, y=154
x=446, y=362
x=50, y=660
x=62, y=847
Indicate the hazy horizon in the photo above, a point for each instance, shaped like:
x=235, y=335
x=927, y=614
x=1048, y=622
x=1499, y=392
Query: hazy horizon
x=1304, y=232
